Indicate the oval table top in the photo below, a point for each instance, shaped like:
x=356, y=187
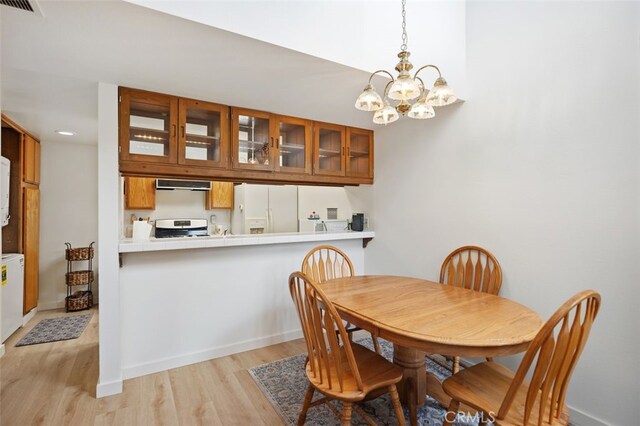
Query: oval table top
x=433, y=317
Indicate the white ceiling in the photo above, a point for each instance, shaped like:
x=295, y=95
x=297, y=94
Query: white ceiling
x=365, y=35
x=51, y=66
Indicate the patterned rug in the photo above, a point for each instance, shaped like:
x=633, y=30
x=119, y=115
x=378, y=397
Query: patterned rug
x=284, y=383
x=55, y=329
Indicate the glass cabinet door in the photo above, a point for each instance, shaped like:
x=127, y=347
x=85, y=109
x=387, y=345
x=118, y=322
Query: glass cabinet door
x=359, y=152
x=147, y=126
x=253, y=142
x=293, y=137
x=329, y=144
x=204, y=133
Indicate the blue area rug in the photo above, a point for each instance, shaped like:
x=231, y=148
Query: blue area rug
x=55, y=329
x=284, y=383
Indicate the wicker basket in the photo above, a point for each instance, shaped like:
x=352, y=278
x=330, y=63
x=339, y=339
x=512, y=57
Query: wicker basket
x=79, y=300
x=82, y=253
x=79, y=277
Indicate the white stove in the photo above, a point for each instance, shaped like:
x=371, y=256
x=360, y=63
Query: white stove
x=172, y=228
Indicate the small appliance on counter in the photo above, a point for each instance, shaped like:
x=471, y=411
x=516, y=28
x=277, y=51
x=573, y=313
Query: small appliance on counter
x=172, y=228
x=357, y=222
x=141, y=230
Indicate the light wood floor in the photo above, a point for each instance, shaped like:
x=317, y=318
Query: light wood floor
x=55, y=383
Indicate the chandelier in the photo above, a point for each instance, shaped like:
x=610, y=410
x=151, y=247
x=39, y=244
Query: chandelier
x=400, y=94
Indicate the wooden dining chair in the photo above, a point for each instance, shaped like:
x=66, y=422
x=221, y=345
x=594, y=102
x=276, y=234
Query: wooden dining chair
x=336, y=367
x=505, y=397
x=473, y=268
x=325, y=263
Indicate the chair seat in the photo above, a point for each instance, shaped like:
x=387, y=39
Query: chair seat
x=484, y=386
x=375, y=372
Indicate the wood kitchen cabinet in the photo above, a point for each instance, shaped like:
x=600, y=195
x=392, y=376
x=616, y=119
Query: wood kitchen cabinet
x=293, y=144
x=140, y=193
x=165, y=129
x=148, y=126
x=168, y=136
x=252, y=140
x=31, y=244
x=22, y=234
x=359, y=158
x=329, y=144
x=31, y=163
x=265, y=141
x=203, y=133
x=220, y=196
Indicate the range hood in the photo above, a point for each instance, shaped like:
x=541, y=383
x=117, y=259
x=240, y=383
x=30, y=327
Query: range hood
x=189, y=185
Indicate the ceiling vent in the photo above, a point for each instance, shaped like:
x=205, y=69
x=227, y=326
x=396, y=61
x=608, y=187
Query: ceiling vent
x=26, y=5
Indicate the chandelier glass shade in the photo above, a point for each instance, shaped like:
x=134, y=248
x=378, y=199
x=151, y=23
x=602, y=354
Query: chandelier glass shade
x=400, y=94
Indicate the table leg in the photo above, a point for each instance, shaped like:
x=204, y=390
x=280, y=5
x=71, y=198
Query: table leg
x=413, y=386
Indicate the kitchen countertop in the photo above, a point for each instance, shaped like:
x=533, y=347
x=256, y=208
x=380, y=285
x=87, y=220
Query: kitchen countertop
x=127, y=245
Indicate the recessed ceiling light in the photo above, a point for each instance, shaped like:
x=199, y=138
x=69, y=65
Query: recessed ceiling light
x=65, y=132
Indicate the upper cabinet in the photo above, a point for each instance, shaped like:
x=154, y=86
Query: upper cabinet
x=293, y=143
x=203, y=133
x=359, y=159
x=328, y=149
x=148, y=126
x=220, y=196
x=158, y=128
x=253, y=139
x=139, y=193
x=31, y=162
x=265, y=141
x=164, y=135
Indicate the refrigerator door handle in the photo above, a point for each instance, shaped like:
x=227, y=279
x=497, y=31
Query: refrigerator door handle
x=270, y=219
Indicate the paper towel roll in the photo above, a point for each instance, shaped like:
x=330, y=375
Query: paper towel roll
x=141, y=230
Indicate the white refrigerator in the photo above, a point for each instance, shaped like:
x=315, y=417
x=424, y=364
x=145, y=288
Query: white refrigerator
x=12, y=292
x=262, y=209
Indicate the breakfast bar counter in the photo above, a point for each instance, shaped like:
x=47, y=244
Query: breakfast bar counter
x=191, y=299
x=159, y=244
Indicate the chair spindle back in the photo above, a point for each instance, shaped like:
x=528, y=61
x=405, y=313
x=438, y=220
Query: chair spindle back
x=317, y=315
x=327, y=262
x=557, y=346
x=473, y=268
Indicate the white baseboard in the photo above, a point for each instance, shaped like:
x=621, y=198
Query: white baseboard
x=32, y=313
x=58, y=304
x=47, y=306
x=580, y=418
x=1, y=350
x=205, y=355
x=110, y=388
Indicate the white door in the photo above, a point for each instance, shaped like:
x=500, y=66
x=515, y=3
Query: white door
x=283, y=208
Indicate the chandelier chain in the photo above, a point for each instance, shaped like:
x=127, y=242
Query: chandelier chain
x=405, y=38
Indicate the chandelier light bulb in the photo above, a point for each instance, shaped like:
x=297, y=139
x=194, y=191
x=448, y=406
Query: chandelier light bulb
x=404, y=88
x=421, y=110
x=441, y=94
x=386, y=115
x=369, y=100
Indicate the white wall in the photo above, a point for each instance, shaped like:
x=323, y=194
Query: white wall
x=319, y=198
x=68, y=213
x=540, y=166
x=109, y=208
x=179, y=204
x=1, y=344
x=185, y=306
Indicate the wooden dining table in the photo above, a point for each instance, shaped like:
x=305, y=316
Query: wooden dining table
x=420, y=316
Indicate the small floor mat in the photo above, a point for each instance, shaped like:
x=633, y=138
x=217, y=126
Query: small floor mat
x=55, y=329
